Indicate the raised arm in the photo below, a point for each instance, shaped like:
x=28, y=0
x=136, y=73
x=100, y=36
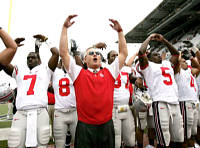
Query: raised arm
x=195, y=61
x=38, y=42
x=171, y=48
x=176, y=63
x=7, y=54
x=131, y=60
x=143, y=60
x=76, y=53
x=63, y=48
x=123, y=52
x=8, y=69
x=174, y=52
x=195, y=66
x=53, y=61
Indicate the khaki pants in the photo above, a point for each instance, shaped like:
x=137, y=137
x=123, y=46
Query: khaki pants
x=17, y=135
x=64, y=121
x=168, y=123
x=198, y=108
x=124, y=127
x=190, y=118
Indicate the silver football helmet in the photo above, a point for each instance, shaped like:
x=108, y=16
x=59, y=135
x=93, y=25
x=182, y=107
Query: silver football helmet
x=6, y=92
x=141, y=102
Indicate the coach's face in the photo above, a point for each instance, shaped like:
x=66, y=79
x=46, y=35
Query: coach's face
x=93, y=58
x=32, y=60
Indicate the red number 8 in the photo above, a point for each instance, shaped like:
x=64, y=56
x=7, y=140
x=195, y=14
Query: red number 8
x=64, y=86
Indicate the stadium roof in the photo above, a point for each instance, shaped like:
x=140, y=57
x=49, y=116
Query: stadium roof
x=170, y=18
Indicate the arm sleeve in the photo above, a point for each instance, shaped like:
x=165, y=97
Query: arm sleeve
x=114, y=68
x=147, y=70
x=74, y=69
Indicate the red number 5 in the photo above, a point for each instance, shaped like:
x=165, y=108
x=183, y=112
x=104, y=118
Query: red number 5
x=31, y=87
x=166, y=75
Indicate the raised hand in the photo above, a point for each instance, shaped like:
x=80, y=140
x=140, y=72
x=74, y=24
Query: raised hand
x=156, y=37
x=100, y=45
x=116, y=26
x=68, y=22
x=41, y=37
x=18, y=41
x=74, y=46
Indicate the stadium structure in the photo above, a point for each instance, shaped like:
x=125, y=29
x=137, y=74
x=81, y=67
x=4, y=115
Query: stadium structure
x=177, y=20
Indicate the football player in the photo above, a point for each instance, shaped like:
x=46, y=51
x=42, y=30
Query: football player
x=187, y=91
x=30, y=125
x=159, y=76
x=65, y=115
x=122, y=116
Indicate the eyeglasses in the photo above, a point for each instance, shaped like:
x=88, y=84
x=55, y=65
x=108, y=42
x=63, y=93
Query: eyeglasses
x=93, y=52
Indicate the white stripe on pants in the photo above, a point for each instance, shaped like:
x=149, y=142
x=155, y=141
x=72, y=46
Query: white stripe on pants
x=18, y=129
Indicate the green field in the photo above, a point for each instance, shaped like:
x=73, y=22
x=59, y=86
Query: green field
x=4, y=123
x=3, y=111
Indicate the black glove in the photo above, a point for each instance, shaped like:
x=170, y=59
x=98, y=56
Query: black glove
x=132, y=78
x=74, y=47
x=186, y=55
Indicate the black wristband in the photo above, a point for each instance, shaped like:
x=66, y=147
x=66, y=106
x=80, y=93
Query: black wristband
x=0, y=27
x=76, y=53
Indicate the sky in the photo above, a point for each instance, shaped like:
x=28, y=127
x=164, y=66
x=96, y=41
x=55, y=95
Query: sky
x=30, y=17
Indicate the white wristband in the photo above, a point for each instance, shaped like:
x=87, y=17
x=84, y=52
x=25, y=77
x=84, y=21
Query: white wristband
x=50, y=45
x=37, y=42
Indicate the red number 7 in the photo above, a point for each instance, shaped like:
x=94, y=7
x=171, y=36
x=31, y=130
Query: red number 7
x=31, y=87
x=126, y=74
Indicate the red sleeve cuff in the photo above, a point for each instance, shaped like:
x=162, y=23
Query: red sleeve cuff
x=142, y=55
x=143, y=67
x=175, y=55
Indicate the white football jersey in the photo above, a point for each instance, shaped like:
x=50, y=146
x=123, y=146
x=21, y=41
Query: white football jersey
x=187, y=87
x=121, y=90
x=32, y=85
x=63, y=90
x=198, y=83
x=161, y=83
